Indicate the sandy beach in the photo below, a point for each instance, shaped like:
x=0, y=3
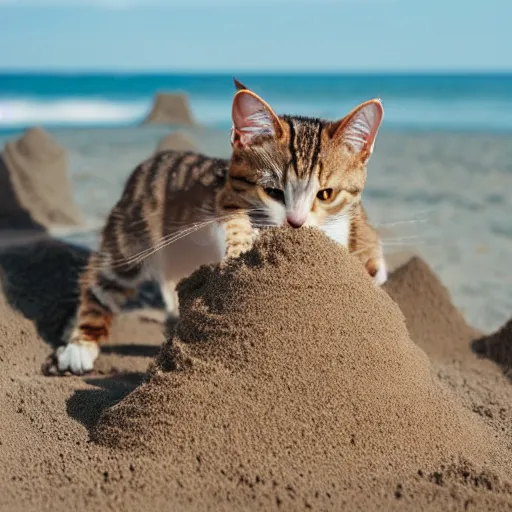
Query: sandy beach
x=300, y=375
x=440, y=194
x=388, y=399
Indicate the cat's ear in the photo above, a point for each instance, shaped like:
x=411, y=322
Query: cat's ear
x=252, y=117
x=358, y=129
x=239, y=85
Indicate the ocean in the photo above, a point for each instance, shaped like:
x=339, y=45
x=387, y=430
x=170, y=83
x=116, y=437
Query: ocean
x=439, y=180
x=478, y=102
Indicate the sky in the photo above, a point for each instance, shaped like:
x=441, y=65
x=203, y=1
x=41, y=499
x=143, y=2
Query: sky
x=248, y=35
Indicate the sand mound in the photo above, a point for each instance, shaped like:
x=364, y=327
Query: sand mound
x=39, y=191
x=434, y=323
x=170, y=108
x=246, y=426
x=497, y=347
x=293, y=379
x=177, y=141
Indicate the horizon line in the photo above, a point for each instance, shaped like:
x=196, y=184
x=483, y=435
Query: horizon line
x=227, y=72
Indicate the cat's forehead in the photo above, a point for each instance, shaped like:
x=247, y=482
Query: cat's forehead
x=309, y=143
x=305, y=153
x=304, y=143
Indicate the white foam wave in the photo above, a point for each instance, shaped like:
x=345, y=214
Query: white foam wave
x=484, y=114
x=18, y=113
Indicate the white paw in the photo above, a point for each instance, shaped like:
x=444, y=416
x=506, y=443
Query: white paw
x=77, y=357
x=382, y=274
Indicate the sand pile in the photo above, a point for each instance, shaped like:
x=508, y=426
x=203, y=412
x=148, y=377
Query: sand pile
x=36, y=191
x=292, y=380
x=177, y=141
x=255, y=405
x=171, y=108
x=434, y=323
x=497, y=347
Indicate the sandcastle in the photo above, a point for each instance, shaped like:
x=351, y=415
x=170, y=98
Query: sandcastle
x=36, y=192
x=172, y=109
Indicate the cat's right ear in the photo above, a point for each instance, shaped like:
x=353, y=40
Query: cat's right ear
x=252, y=118
x=358, y=129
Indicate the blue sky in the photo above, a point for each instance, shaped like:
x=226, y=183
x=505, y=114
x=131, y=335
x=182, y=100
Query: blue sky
x=247, y=35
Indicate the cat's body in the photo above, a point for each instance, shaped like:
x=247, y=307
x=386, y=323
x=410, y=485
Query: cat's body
x=180, y=210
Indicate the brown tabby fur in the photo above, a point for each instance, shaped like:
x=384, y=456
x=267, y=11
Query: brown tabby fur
x=172, y=191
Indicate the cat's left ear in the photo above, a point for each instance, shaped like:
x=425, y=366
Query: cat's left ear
x=252, y=118
x=358, y=129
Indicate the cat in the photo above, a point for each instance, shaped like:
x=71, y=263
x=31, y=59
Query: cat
x=180, y=210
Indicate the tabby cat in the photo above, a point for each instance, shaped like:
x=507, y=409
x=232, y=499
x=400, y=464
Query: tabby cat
x=179, y=210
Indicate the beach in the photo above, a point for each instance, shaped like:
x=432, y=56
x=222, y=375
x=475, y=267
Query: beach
x=442, y=194
x=381, y=399
x=392, y=399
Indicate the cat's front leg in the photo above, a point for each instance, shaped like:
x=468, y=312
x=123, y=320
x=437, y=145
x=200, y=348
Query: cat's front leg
x=103, y=292
x=240, y=235
x=378, y=271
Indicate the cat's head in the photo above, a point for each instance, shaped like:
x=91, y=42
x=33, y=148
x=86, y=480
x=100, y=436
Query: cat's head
x=300, y=170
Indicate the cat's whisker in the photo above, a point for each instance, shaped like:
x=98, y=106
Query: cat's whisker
x=207, y=216
x=169, y=242
x=160, y=244
x=403, y=238
x=168, y=239
x=399, y=223
x=106, y=261
x=159, y=213
x=422, y=216
x=402, y=244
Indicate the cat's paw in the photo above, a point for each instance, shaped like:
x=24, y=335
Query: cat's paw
x=235, y=251
x=378, y=271
x=77, y=357
x=381, y=275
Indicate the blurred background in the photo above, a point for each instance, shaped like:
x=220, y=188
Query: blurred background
x=88, y=71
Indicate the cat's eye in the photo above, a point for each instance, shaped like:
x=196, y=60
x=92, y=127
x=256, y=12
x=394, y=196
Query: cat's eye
x=275, y=193
x=325, y=194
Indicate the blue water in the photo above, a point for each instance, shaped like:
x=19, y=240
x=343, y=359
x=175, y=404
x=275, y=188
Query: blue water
x=432, y=102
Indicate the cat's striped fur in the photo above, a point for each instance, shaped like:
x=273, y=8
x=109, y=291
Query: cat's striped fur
x=179, y=210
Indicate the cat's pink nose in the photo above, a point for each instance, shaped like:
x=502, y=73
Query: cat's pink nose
x=295, y=221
